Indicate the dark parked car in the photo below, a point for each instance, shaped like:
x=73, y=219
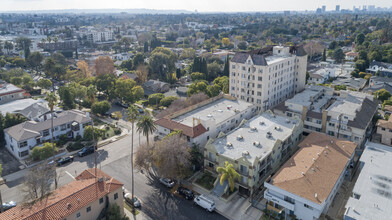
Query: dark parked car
x=136, y=202
x=86, y=151
x=64, y=160
x=122, y=104
x=185, y=192
x=8, y=205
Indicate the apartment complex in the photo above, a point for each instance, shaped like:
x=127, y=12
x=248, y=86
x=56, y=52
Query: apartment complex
x=371, y=196
x=9, y=92
x=307, y=183
x=207, y=119
x=268, y=76
x=256, y=148
x=384, y=129
x=22, y=138
x=97, y=35
x=85, y=198
x=342, y=114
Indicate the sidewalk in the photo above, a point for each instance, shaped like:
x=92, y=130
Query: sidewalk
x=20, y=174
x=238, y=208
x=140, y=216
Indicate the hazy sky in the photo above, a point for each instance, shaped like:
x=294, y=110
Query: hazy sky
x=200, y=5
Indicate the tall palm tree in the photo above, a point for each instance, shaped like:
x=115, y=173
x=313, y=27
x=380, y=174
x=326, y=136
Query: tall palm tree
x=133, y=114
x=146, y=125
x=228, y=173
x=51, y=98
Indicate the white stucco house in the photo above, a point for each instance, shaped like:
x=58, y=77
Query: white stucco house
x=22, y=138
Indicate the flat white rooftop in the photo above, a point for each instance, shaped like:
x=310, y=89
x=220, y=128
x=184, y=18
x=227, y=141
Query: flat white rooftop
x=17, y=105
x=217, y=111
x=373, y=186
x=255, y=141
x=275, y=59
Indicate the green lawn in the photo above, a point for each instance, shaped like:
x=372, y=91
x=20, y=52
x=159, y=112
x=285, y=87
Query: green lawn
x=129, y=208
x=206, y=180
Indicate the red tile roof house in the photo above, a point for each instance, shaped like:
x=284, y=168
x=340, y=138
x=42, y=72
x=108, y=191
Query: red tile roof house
x=84, y=198
x=205, y=120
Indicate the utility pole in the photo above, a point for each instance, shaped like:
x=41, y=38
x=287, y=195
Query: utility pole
x=95, y=150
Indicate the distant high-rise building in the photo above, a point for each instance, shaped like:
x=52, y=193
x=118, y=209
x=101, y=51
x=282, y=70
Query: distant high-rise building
x=364, y=8
x=286, y=12
x=323, y=8
x=371, y=7
x=337, y=8
x=318, y=10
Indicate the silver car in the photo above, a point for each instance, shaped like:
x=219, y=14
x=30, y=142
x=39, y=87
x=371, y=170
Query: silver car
x=136, y=202
x=167, y=182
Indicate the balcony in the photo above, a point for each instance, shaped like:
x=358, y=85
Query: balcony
x=243, y=172
x=212, y=160
x=272, y=208
x=277, y=200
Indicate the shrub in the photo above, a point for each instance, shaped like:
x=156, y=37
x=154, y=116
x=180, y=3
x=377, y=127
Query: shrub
x=100, y=107
x=44, y=152
x=167, y=101
x=155, y=99
x=75, y=146
x=117, y=131
x=78, y=138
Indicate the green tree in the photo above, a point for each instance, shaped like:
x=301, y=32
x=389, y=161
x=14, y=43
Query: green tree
x=124, y=89
x=127, y=64
x=138, y=59
x=324, y=57
x=44, y=83
x=197, y=88
x=338, y=55
x=340, y=87
x=24, y=44
x=375, y=56
x=360, y=65
x=66, y=97
x=88, y=134
x=137, y=93
x=228, y=173
x=8, y=46
x=146, y=125
x=106, y=83
x=100, y=107
x=44, y=152
x=167, y=101
x=360, y=39
x=34, y=60
x=382, y=95
x=213, y=69
x=242, y=45
x=226, y=68
x=197, y=76
x=114, y=213
x=154, y=99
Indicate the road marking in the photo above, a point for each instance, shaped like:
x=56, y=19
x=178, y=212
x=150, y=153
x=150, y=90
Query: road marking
x=70, y=175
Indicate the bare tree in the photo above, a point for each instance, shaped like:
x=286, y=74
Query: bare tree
x=179, y=104
x=38, y=181
x=171, y=156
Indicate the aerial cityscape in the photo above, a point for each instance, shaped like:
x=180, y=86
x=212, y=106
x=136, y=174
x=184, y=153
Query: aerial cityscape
x=203, y=110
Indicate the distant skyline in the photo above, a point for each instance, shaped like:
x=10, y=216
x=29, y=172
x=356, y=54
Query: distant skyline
x=199, y=5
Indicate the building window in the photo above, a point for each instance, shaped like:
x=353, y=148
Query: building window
x=23, y=153
x=259, y=86
x=258, y=93
x=78, y=215
x=45, y=133
x=115, y=196
x=88, y=209
x=331, y=133
x=383, y=129
x=331, y=124
x=308, y=206
x=23, y=144
x=211, y=165
x=63, y=127
x=289, y=114
x=318, y=122
x=244, y=180
x=101, y=200
x=260, y=78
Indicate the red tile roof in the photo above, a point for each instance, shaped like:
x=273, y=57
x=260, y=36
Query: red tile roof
x=66, y=200
x=186, y=130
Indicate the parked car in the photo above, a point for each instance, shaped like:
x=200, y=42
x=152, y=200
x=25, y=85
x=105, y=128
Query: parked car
x=122, y=104
x=185, y=192
x=204, y=202
x=8, y=205
x=86, y=151
x=65, y=160
x=136, y=202
x=141, y=111
x=167, y=182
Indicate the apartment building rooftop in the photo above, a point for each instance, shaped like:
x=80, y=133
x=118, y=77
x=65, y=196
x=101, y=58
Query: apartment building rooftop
x=217, y=111
x=313, y=171
x=7, y=88
x=311, y=96
x=68, y=199
x=372, y=194
x=256, y=138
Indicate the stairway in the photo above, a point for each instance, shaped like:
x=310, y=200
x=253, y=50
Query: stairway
x=219, y=189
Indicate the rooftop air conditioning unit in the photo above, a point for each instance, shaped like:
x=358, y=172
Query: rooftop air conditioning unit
x=262, y=123
x=229, y=144
x=245, y=153
x=256, y=143
x=253, y=129
x=240, y=137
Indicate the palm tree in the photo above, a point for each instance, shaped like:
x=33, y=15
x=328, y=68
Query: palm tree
x=146, y=125
x=133, y=114
x=228, y=173
x=52, y=100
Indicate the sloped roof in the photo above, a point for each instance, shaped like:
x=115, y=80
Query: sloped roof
x=32, y=129
x=186, y=130
x=35, y=110
x=365, y=115
x=256, y=58
x=67, y=199
x=321, y=159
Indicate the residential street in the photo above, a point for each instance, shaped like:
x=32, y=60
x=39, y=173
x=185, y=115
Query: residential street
x=114, y=159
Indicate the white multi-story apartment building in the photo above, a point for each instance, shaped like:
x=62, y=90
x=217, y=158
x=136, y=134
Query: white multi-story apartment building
x=268, y=76
x=256, y=149
x=22, y=138
x=307, y=183
x=97, y=35
x=207, y=119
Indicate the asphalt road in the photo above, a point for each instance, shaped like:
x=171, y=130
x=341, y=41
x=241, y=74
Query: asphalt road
x=114, y=159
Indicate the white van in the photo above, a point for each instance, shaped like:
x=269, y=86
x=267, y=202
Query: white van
x=204, y=202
